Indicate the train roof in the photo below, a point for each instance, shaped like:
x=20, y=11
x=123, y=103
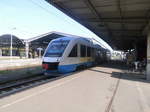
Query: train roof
x=71, y=38
x=65, y=38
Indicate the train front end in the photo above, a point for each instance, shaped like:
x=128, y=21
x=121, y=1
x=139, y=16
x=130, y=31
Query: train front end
x=54, y=55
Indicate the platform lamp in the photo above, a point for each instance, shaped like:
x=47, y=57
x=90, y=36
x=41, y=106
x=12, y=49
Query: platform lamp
x=11, y=41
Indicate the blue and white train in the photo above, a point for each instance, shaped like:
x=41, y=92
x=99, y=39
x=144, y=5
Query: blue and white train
x=67, y=54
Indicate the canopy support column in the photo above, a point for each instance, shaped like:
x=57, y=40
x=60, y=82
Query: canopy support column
x=148, y=57
x=27, y=49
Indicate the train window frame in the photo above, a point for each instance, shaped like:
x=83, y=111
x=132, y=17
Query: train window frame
x=74, y=51
x=92, y=52
x=89, y=51
x=82, y=50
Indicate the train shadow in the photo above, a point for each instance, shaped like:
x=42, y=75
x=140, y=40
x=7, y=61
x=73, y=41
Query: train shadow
x=123, y=75
x=131, y=77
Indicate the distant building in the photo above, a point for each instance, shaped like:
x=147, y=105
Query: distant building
x=5, y=43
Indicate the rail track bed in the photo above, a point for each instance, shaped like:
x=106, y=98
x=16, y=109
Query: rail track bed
x=22, y=84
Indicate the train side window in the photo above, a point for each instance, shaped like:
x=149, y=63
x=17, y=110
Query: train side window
x=83, y=51
x=73, y=52
x=92, y=52
x=88, y=51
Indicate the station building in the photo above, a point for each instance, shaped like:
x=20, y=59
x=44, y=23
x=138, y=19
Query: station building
x=18, y=46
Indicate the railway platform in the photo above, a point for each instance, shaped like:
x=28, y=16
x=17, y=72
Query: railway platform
x=97, y=89
x=13, y=69
x=9, y=64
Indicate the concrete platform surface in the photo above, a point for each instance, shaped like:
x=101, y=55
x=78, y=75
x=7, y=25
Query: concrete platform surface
x=15, y=69
x=19, y=63
x=87, y=91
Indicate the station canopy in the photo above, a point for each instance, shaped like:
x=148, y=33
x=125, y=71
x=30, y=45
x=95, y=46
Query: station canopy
x=118, y=22
x=47, y=37
x=5, y=41
x=44, y=39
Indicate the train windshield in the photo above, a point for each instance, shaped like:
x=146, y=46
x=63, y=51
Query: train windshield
x=56, y=48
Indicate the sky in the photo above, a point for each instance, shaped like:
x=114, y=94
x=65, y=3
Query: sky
x=29, y=18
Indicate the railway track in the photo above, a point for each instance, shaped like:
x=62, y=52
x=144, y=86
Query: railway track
x=16, y=86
